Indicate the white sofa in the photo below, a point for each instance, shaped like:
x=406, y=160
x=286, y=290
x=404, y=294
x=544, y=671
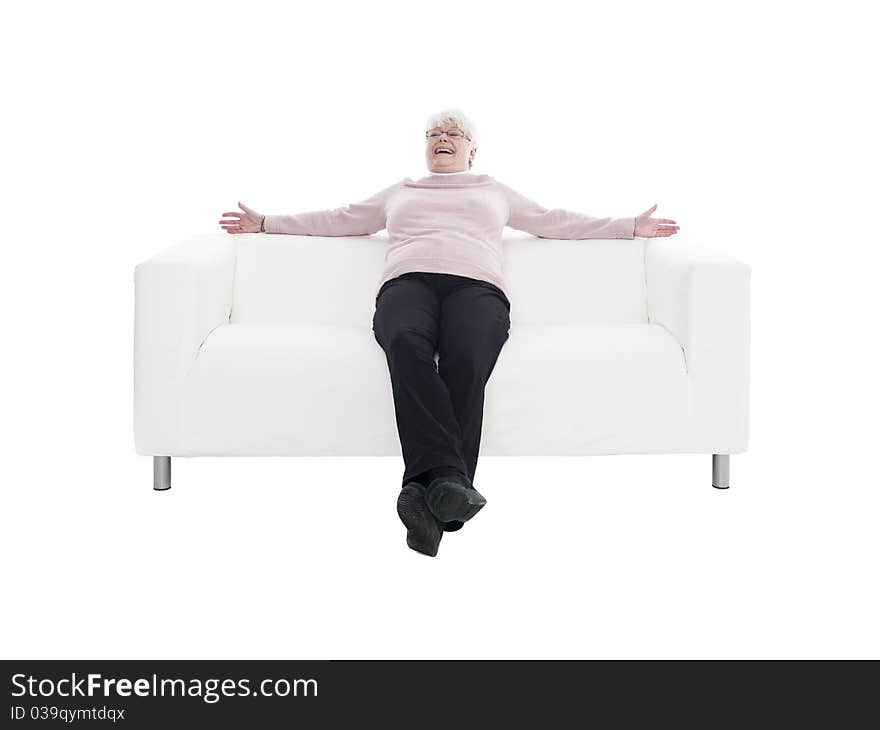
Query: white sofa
x=261, y=344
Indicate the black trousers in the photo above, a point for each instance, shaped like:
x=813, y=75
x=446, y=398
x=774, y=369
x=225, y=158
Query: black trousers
x=439, y=407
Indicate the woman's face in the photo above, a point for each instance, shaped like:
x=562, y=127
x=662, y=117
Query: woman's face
x=460, y=146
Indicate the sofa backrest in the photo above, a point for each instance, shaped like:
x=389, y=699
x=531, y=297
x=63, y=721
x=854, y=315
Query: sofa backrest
x=333, y=280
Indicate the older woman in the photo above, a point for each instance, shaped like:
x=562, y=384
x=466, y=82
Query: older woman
x=442, y=291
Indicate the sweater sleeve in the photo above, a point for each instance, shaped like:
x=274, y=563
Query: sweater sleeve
x=527, y=215
x=356, y=219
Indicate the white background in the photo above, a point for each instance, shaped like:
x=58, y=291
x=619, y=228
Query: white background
x=128, y=128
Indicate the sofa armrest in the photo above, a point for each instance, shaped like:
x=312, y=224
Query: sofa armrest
x=181, y=295
x=702, y=297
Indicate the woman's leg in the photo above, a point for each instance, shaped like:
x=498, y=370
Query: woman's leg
x=405, y=324
x=474, y=325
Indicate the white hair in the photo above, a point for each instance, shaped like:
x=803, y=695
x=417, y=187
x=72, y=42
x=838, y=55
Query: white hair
x=459, y=119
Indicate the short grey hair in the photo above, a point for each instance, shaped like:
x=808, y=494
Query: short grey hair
x=459, y=119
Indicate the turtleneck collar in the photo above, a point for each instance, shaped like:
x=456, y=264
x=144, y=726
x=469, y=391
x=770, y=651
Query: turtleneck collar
x=449, y=180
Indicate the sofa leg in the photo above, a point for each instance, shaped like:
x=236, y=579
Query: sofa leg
x=721, y=471
x=161, y=473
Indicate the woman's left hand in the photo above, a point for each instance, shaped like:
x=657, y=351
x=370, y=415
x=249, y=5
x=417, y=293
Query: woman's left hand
x=648, y=227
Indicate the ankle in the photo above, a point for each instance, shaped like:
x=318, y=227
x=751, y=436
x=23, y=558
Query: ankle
x=426, y=477
x=443, y=471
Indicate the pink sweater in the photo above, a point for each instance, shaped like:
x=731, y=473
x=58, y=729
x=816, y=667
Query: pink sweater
x=448, y=224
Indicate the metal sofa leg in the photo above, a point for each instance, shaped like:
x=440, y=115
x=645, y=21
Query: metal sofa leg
x=721, y=471
x=161, y=473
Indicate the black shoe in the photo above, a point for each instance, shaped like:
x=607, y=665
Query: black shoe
x=453, y=498
x=423, y=532
x=425, y=479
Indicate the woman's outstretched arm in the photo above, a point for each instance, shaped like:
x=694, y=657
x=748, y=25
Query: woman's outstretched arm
x=356, y=219
x=531, y=217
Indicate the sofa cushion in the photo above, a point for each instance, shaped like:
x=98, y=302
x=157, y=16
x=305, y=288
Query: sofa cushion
x=316, y=389
x=588, y=389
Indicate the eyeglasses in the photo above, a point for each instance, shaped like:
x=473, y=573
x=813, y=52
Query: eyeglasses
x=452, y=134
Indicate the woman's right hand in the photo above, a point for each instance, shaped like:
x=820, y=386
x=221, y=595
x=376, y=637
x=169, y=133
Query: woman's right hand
x=247, y=222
